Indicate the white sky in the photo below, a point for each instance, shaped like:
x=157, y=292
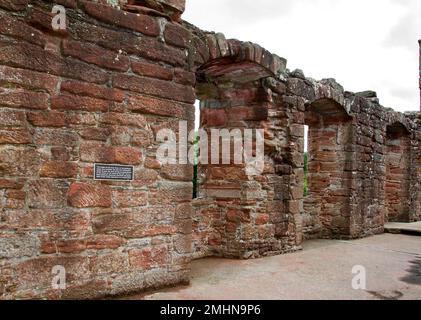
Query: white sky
x=363, y=44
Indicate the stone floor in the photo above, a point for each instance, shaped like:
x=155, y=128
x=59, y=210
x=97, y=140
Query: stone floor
x=323, y=270
x=411, y=228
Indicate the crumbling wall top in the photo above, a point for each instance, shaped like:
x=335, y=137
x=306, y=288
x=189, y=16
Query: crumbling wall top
x=172, y=8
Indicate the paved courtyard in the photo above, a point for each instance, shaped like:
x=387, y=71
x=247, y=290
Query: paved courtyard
x=323, y=270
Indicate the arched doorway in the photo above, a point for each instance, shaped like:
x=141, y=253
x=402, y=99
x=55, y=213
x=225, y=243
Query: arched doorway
x=237, y=214
x=327, y=203
x=397, y=181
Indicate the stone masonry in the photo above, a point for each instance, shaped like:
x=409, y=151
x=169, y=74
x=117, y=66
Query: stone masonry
x=100, y=90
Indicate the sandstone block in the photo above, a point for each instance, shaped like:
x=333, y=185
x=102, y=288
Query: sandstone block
x=81, y=195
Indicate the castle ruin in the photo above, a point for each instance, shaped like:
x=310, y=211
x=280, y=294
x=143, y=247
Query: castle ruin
x=98, y=91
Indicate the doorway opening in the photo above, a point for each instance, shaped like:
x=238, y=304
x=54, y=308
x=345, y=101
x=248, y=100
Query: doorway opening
x=326, y=205
x=397, y=174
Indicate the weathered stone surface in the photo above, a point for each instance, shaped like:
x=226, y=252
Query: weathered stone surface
x=15, y=136
x=96, y=134
x=96, y=55
x=81, y=195
x=48, y=119
x=46, y=194
x=59, y=169
x=177, y=172
x=147, y=48
x=55, y=137
x=18, y=246
x=155, y=87
x=18, y=98
x=19, y=161
x=14, y=4
x=137, y=22
x=147, y=105
x=122, y=119
x=16, y=28
x=97, y=152
x=129, y=198
x=183, y=244
x=92, y=90
x=100, y=92
x=149, y=258
x=80, y=103
x=152, y=70
x=22, y=55
x=12, y=118
x=177, y=35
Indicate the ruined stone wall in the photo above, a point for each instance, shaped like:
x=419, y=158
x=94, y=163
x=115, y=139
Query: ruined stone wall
x=348, y=160
x=371, y=205
x=349, y=178
x=250, y=216
x=94, y=94
x=368, y=198
x=99, y=91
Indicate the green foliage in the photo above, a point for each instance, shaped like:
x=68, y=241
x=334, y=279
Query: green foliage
x=306, y=189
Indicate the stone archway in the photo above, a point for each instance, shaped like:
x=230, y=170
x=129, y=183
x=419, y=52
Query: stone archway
x=327, y=205
x=397, y=180
x=237, y=214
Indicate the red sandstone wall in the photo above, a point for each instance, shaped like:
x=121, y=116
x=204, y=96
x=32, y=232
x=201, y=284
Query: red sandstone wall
x=97, y=93
x=365, y=159
x=100, y=92
x=245, y=216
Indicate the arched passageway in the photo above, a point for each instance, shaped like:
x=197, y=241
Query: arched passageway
x=397, y=181
x=326, y=205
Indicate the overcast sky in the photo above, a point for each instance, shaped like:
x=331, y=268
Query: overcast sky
x=363, y=44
